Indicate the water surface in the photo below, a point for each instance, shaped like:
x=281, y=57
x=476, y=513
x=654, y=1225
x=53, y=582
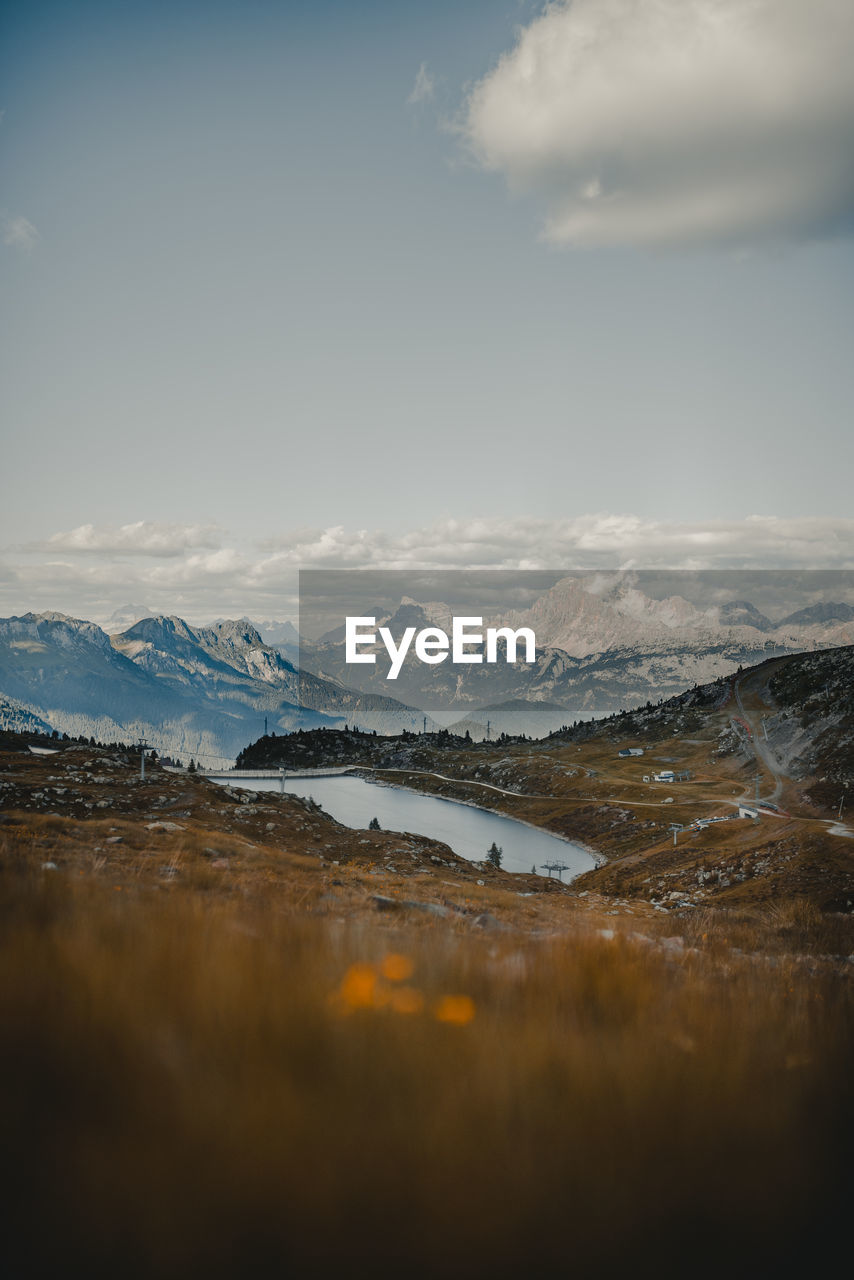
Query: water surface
x=467, y=830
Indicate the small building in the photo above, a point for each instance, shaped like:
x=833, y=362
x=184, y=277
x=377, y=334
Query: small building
x=666, y=775
x=631, y=751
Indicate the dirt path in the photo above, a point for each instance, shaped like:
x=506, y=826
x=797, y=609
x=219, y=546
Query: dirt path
x=469, y=782
x=765, y=756
x=760, y=748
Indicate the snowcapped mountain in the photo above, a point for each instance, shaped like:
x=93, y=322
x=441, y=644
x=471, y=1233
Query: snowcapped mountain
x=169, y=646
x=202, y=691
x=586, y=615
x=278, y=635
x=229, y=659
x=602, y=644
x=66, y=671
x=580, y=621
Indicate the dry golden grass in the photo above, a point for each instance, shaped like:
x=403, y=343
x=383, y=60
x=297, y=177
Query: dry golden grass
x=220, y=1059
x=789, y=928
x=209, y=1084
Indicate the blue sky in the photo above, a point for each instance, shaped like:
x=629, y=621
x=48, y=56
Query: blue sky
x=261, y=309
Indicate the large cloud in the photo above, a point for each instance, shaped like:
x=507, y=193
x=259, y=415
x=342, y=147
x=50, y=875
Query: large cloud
x=656, y=122
x=589, y=541
x=262, y=581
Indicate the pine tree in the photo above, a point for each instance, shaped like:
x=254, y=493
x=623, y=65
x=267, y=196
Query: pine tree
x=495, y=855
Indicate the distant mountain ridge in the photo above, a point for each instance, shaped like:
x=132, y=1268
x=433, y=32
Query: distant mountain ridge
x=819, y=615
x=207, y=691
x=603, y=644
x=190, y=691
x=580, y=621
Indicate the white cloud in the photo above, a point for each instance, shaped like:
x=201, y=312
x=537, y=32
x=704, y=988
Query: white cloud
x=200, y=583
x=143, y=538
x=18, y=232
x=424, y=88
x=223, y=565
x=197, y=586
x=658, y=122
x=589, y=541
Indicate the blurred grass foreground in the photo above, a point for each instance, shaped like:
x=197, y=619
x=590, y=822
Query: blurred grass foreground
x=202, y=1086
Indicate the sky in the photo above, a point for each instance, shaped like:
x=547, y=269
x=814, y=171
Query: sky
x=390, y=284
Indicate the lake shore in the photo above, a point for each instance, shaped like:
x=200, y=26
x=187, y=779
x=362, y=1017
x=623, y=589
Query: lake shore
x=599, y=859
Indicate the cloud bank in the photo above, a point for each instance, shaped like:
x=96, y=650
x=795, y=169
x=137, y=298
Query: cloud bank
x=676, y=122
x=580, y=542
x=92, y=573
x=144, y=538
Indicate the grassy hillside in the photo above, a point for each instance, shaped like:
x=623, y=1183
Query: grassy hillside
x=239, y=1039
x=785, y=727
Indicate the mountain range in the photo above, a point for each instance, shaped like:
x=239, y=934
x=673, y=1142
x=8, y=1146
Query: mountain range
x=207, y=691
x=580, y=617
x=191, y=691
x=599, y=649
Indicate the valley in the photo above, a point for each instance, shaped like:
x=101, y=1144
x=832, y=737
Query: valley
x=221, y=997
x=576, y=784
x=603, y=646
